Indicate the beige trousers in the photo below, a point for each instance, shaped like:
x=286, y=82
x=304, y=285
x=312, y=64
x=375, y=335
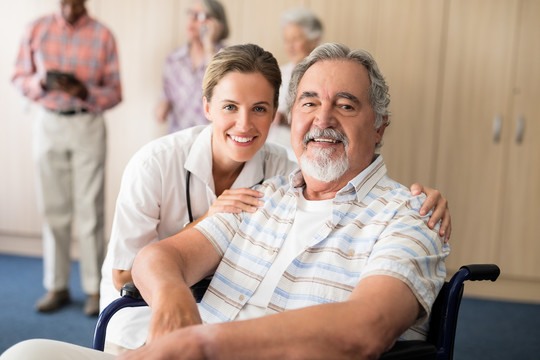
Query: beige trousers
x=69, y=152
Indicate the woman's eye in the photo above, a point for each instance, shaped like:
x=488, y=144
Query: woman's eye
x=259, y=109
x=229, y=107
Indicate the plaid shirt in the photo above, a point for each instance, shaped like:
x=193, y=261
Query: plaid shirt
x=376, y=229
x=87, y=49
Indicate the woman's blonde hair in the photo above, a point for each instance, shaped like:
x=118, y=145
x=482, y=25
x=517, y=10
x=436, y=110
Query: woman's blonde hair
x=248, y=58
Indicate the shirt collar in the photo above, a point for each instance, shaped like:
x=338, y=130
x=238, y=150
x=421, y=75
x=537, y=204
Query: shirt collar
x=358, y=187
x=82, y=21
x=199, y=158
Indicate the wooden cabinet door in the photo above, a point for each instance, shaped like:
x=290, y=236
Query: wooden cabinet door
x=520, y=227
x=476, y=82
x=408, y=49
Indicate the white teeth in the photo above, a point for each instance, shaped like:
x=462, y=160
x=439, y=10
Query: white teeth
x=326, y=140
x=241, y=139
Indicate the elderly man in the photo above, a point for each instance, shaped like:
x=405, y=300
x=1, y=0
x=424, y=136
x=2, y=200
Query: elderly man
x=337, y=263
x=68, y=64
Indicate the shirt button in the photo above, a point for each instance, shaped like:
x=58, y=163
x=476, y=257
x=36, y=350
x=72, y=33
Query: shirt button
x=350, y=252
x=271, y=252
x=241, y=298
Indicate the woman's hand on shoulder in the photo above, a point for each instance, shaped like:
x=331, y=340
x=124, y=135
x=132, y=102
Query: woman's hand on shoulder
x=236, y=201
x=439, y=205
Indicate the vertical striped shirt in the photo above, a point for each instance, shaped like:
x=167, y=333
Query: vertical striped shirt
x=376, y=229
x=86, y=49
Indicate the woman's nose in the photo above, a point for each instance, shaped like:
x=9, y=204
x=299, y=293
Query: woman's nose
x=243, y=121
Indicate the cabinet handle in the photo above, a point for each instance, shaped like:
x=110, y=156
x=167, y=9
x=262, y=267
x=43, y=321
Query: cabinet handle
x=520, y=130
x=497, y=127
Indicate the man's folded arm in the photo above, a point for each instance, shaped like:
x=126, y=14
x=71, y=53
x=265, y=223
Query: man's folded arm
x=163, y=272
x=378, y=311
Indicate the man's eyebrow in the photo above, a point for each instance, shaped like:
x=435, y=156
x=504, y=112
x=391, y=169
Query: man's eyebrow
x=308, y=94
x=349, y=96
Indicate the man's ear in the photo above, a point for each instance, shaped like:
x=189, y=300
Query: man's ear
x=206, y=106
x=382, y=128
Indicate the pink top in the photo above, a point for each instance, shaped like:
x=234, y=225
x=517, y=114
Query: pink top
x=182, y=87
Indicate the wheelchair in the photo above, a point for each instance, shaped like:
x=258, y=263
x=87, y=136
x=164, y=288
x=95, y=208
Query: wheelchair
x=439, y=344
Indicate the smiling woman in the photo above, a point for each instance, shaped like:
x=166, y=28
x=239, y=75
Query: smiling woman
x=223, y=160
x=240, y=98
x=241, y=110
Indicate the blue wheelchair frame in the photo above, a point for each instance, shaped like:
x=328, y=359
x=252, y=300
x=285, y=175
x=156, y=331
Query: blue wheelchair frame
x=439, y=344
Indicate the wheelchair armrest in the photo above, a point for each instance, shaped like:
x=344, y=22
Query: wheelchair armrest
x=411, y=350
x=479, y=272
x=127, y=300
x=130, y=290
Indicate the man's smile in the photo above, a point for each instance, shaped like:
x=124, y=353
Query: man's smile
x=326, y=140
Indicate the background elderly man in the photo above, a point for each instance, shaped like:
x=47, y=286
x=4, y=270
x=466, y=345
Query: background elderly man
x=337, y=263
x=68, y=64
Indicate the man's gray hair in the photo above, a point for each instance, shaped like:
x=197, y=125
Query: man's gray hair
x=306, y=19
x=379, y=97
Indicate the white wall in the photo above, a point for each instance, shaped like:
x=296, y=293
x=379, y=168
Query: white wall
x=146, y=31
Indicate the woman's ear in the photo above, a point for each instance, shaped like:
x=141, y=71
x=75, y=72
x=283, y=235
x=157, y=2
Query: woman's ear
x=206, y=106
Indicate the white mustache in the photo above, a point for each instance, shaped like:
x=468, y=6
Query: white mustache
x=325, y=133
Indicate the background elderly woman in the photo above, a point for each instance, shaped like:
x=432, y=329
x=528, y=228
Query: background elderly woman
x=184, y=68
x=302, y=32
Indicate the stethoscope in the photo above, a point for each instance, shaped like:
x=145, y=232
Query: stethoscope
x=188, y=197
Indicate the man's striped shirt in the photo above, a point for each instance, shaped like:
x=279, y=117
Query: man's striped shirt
x=376, y=229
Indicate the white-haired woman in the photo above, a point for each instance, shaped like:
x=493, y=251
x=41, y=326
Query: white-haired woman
x=302, y=32
x=184, y=68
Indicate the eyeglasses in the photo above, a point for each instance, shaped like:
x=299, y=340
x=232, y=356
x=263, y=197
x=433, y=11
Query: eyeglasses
x=199, y=16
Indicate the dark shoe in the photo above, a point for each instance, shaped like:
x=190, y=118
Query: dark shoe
x=91, y=305
x=53, y=301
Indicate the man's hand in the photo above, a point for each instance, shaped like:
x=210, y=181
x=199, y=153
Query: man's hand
x=66, y=83
x=163, y=272
x=185, y=344
x=73, y=87
x=436, y=202
x=174, y=310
